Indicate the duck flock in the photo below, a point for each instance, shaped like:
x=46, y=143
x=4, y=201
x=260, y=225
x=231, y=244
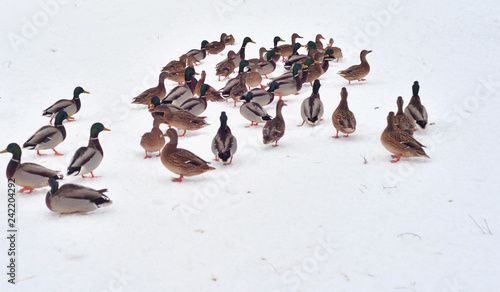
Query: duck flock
x=182, y=107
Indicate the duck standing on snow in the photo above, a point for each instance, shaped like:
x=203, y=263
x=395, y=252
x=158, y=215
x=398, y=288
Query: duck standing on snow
x=275, y=129
x=268, y=66
x=181, y=161
x=415, y=109
x=253, y=111
x=402, y=121
x=357, y=72
x=287, y=50
x=27, y=175
x=153, y=141
x=400, y=143
x=290, y=86
x=226, y=67
x=197, y=105
x=264, y=97
x=72, y=198
x=48, y=137
x=200, y=54
x=87, y=159
x=312, y=108
x=224, y=144
x=180, y=93
x=70, y=106
x=240, y=55
x=343, y=119
x=159, y=90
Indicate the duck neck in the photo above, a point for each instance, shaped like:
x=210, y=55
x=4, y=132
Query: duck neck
x=14, y=163
x=94, y=143
x=58, y=124
x=279, y=107
x=400, y=108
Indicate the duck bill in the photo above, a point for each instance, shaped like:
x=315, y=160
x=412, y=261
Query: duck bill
x=106, y=129
x=85, y=91
x=4, y=151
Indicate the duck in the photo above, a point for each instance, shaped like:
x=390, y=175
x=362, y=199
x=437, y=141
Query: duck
x=197, y=105
x=48, y=137
x=27, y=175
x=73, y=198
x=319, y=44
x=274, y=129
x=290, y=86
x=253, y=78
x=155, y=102
x=357, y=72
x=276, y=49
x=153, y=141
x=316, y=69
x=402, y=121
x=264, y=97
x=239, y=90
x=253, y=61
x=400, y=143
x=266, y=67
x=226, y=90
x=176, y=65
x=180, y=93
x=159, y=90
x=287, y=50
x=343, y=119
x=200, y=54
x=288, y=75
x=224, y=144
x=415, y=109
x=87, y=159
x=312, y=108
x=182, y=120
x=179, y=75
x=240, y=55
x=299, y=58
x=211, y=94
x=337, y=52
x=295, y=55
x=70, y=106
x=226, y=67
x=253, y=111
x=181, y=161
x=229, y=40
x=216, y=47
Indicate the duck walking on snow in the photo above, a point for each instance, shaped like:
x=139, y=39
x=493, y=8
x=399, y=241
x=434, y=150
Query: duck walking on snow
x=275, y=129
x=48, y=137
x=415, y=109
x=70, y=106
x=253, y=111
x=224, y=144
x=400, y=143
x=87, y=159
x=27, y=175
x=343, y=119
x=312, y=108
x=357, y=72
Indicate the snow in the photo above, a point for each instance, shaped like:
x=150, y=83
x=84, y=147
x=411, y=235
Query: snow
x=314, y=213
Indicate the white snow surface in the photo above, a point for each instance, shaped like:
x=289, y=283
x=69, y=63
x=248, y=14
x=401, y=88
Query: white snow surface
x=314, y=213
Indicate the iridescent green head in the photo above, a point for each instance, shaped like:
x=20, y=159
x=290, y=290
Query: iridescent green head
x=273, y=86
x=223, y=119
x=14, y=149
x=96, y=129
x=203, y=90
x=249, y=96
x=188, y=73
x=243, y=64
x=204, y=43
x=61, y=115
x=247, y=40
x=78, y=90
x=54, y=185
x=316, y=86
x=296, y=69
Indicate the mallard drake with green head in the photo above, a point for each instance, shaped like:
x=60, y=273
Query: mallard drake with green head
x=87, y=159
x=180, y=93
x=239, y=90
x=27, y=175
x=402, y=121
x=182, y=120
x=400, y=143
x=274, y=129
x=337, y=52
x=154, y=140
x=73, y=198
x=253, y=111
x=155, y=102
x=357, y=72
x=48, y=137
x=226, y=90
x=240, y=55
x=264, y=97
x=343, y=119
x=266, y=67
x=181, y=161
x=287, y=50
x=70, y=106
x=197, y=105
x=415, y=109
x=224, y=144
x=159, y=90
x=276, y=49
x=312, y=108
x=199, y=54
x=290, y=86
